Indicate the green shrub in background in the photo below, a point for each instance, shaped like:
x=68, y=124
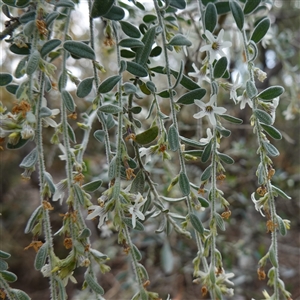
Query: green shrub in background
x=159, y=93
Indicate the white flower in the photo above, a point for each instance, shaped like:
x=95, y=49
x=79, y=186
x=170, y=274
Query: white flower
x=60, y=190
x=146, y=152
x=216, y=45
x=289, y=113
x=273, y=107
x=236, y=85
x=209, y=109
x=48, y=121
x=261, y=75
x=259, y=204
x=98, y=211
x=27, y=132
x=199, y=74
x=135, y=209
x=243, y=100
x=205, y=141
x=105, y=231
x=46, y=270
x=63, y=150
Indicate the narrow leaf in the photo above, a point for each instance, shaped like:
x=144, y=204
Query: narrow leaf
x=237, y=13
x=99, y=135
x=130, y=29
x=189, y=97
x=49, y=46
x=281, y=226
x=220, y=67
x=206, y=152
x=263, y=116
x=231, y=119
x=93, y=284
x=33, y=62
x=33, y=219
x=250, y=6
x=79, y=196
x=85, y=87
x=9, y=276
x=108, y=84
x=180, y=4
x=206, y=173
x=271, y=92
x=260, y=30
x=92, y=186
x=41, y=257
x=30, y=159
x=184, y=184
x=251, y=89
x=131, y=43
x=173, y=138
x=196, y=223
x=220, y=222
x=68, y=100
x=272, y=150
x=110, y=109
x=80, y=49
x=210, y=17
x=136, y=69
x=272, y=131
x=136, y=252
x=138, y=183
x=226, y=158
x=180, y=40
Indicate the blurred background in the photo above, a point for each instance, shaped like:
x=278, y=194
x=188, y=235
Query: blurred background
x=169, y=260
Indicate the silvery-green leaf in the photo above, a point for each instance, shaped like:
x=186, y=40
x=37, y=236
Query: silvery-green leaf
x=272, y=257
x=93, y=284
x=85, y=233
x=250, y=6
x=129, y=88
x=206, y=152
x=30, y=159
x=226, y=158
x=184, y=184
x=99, y=135
x=271, y=131
x=138, y=226
x=260, y=30
x=110, y=109
x=9, y=276
x=138, y=183
x=272, y=150
x=281, y=226
x=168, y=199
x=136, y=69
x=136, y=252
x=237, y=13
x=41, y=256
x=263, y=116
x=49, y=181
x=220, y=222
x=277, y=191
x=271, y=92
x=79, y=49
x=29, y=28
x=167, y=259
x=180, y=4
x=45, y=112
x=206, y=173
x=3, y=265
x=203, y=201
x=220, y=67
x=68, y=100
x=85, y=87
x=179, y=40
x=49, y=46
x=196, y=223
x=190, y=142
x=131, y=43
x=51, y=17
x=210, y=17
x=162, y=226
x=108, y=84
x=33, y=219
x=251, y=89
x=231, y=119
x=65, y=3
x=4, y=255
x=173, y=138
x=20, y=295
x=180, y=74
x=79, y=196
x=33, y=62
x=116, y=13
x=20, y=70
x=27, y=17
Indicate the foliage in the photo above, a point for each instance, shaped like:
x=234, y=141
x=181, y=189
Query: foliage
x=135, y=110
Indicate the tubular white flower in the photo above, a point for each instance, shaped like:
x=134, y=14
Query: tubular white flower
x=243, y=100
x=216, y=46
x=135, y=209
x=236, y=85
x=209, y=110
x=98, y=211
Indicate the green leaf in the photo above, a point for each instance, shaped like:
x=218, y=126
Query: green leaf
x=136, y=110
x=226, y=158
x=116, y=13
x=20, y=70
x=206, y=152
x=92, y=186
x=12, y=88
x=51, y=17
x=231, y=119
x=250, y=6
x=131, y=43
x=101, y=7
x=29, y=28
x=222, y=7
x=49, y=181
x=272, y=150
x=173, y=138
x=85, y=87
x=127, y=54
x=180, y=74
x=99, y=135
x=168, y=199
x=49, y=46
x=68, y=100
x=251, y=89
x=206, y=174
x=203, y=202
x=180, y=4
x=271, y=131
x=5, y=79
x=136, y=252
x=80, y=49
x=129, y=88
x=224, y=132
x=110, y=109
x=277, y=191
x=273, y=257
x=93, y=284
x=184, y=184
x=167, y=258
x=142, y=54
x=130, y=29
x=138, y=183
x=79, y=196
x=27, y=17
x=33, y=219
x=41, y=257
x=71, y=134
x=196, y=223
x=189, y=97
x=237, y=13
x=149, y=18
x=263, y=116
x=156, y=51
x=65, y=3
x=190, y=142
x=18, y=145
x=220, y=67
x=4, y=255
x=260, y=30
x=271, y=92
x=30, y=159
x=3, y=265
x=33, y=62
x=281, y=226
x=220, y=222
x=9, y=276
x=210, y=17
x=179, y=40
x=108, y=84
x=138, y=226
x=147, y=136
x=136, y=69
x=20, y=295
